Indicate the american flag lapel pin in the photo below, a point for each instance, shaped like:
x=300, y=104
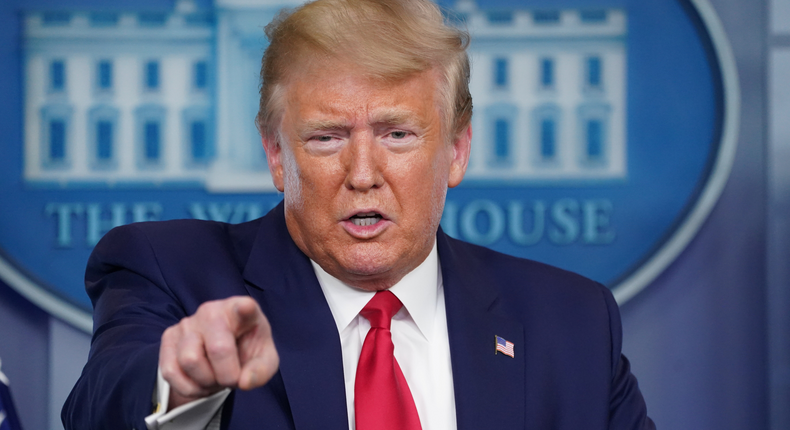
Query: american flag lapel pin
x=503, y=346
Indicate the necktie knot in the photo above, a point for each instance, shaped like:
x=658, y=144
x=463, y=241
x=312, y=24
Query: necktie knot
x=381, y=308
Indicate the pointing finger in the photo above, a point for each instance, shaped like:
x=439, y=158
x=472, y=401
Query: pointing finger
x=245, y=315
x=225, y=326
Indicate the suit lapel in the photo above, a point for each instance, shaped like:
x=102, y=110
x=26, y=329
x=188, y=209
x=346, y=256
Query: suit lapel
x=489, y=387
x=280, y=277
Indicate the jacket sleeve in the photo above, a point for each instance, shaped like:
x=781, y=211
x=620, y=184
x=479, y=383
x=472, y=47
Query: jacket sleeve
x=132, y=308
x=627, y=409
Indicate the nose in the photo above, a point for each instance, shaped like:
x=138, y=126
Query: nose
x=364, y=160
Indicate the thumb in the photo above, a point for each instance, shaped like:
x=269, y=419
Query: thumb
x=260, y=368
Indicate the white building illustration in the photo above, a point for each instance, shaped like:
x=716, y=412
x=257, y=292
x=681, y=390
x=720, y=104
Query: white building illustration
x=549, y=91
x=169, y=99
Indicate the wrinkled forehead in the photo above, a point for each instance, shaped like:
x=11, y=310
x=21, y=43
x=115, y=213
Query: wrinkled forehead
x=335, y=85
x=305, y=63
x=346, y=94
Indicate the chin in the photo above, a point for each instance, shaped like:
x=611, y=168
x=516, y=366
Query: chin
x=367, y=265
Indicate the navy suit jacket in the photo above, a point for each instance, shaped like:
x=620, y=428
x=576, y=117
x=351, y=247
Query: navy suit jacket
x=567, y=373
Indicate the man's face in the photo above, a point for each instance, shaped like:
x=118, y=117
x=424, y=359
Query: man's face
x=365, y=166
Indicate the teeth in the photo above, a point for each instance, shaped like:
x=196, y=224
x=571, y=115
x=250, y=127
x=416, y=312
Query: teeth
x=365, y=220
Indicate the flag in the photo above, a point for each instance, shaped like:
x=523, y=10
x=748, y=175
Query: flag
x=8, y=417
x=502, y=346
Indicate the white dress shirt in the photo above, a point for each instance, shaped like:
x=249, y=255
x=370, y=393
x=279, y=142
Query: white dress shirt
x=419, y=333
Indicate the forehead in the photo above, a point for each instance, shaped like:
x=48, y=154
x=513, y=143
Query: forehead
x=326, y=91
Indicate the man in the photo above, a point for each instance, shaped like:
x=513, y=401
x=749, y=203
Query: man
x=286, y=321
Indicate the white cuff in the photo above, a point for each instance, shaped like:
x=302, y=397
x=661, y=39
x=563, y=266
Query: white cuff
x=198, y=414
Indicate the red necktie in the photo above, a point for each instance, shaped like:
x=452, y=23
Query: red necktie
x=382, y=399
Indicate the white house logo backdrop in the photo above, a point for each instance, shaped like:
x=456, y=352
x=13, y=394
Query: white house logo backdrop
x=603, y=131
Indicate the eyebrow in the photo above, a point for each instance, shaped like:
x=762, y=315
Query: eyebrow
x=323, y=124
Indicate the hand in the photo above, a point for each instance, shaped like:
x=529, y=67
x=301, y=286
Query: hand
x=226, y=343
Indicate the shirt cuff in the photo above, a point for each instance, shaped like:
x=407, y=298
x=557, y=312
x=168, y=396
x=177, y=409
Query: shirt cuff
x=197, y=414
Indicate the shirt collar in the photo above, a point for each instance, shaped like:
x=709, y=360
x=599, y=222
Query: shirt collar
x=417, y=291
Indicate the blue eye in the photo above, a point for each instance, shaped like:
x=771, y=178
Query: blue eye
x=398, y=134
x=323, y=138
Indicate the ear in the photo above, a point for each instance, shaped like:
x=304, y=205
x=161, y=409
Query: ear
x=461, y=147
x=274, y=156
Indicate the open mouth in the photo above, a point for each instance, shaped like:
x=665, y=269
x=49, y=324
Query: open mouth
x=365, y=219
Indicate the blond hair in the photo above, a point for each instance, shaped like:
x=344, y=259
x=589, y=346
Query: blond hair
x=387, y=39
